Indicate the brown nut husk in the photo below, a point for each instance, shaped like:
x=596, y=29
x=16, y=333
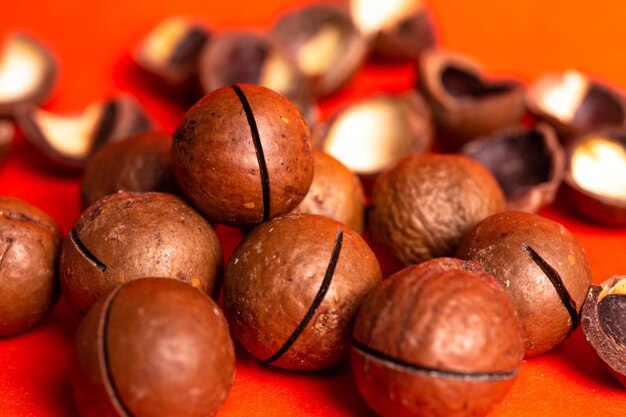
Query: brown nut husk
x=7, y=132
x=28, y=72
x=396, y=29
x=29, y=249
x=542, y=267
x=436, y=339
x=595, y=178
x=152, y=347
x=336, y=193
x=138, y=163
x=68, y=142
x=604, y=325
x=327, y=48
x=423, y=207
x=373, y=134
x=528, y=164
x=242, y=155
x=171, y=51
x=574, y=103
x=126, y=235
x=251, y=58
x=292, y=289
x=464, y=104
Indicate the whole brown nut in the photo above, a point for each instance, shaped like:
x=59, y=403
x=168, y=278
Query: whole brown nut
x=604, y=325
x=126, y=235
x=29, y=249
x=152, y=347
x=542, y=267
x=242, y=155
x=336, y=192
x=436, y=339
x=292, y=289
x=137, y=163
x=423, y=207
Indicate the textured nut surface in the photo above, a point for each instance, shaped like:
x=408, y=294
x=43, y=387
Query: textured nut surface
x=296, y=277
x=126, y=235
x=153, y=347
x=542, y=267
x=422, y=208
x=242, y=155
x=29, y=249
x=436, y=339
x=336, y=192
x=138, y=163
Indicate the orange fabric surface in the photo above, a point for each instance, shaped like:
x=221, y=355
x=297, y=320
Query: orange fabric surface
x=91, y=40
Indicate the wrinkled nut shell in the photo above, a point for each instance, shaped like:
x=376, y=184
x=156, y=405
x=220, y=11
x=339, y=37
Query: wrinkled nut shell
x=242, y=155
x=33, y=59
x=138, y=163
x=125, y=236
x=437, y=339
x=29, y=249
x=604, y=325
x=528, y=164
x=153, y=347
x=293, y=287
x=336, y=193
x=423, y=207
x=541, y=266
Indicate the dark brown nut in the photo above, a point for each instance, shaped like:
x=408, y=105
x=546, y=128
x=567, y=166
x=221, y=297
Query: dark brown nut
x=464, y=104
x=528, y=164
x=575, y=104
x=293, y=287
x=437, y=339
x=251, y=58
x=172, y=49
x=595, y=176
x=604, y=325
x=336, y=192
x=326, y=46
x=29, y=249
x=68, y=142
x=396, y=29
x=152, y=347
x=541, y=266
x=137, y=163
x=242, y=155
x=423, y=207
x=373, y=134
x=125, y=236
x=28, y=72
x=7, y=132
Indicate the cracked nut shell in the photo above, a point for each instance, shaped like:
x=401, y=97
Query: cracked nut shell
x=152, y=347
x=464, y=104
x=138, y=163
x=29, y=250
x=528, y=164
x=423, y=207
x=242, y=155
x=126, y=235
x=292, y=289
x=437, y=339
x=336, y=193
x=604, y=324
x=591, y=159
x=541, y=266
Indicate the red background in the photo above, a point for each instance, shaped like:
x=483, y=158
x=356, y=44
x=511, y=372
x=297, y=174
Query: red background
x=520, y=38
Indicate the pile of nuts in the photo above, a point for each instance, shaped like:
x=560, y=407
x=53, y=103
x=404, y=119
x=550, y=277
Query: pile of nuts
x=487, y=281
